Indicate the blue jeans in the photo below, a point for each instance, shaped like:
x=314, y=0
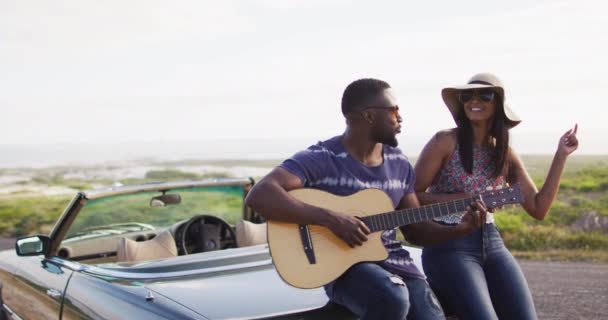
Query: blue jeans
x=371, y=292
x=476, y=277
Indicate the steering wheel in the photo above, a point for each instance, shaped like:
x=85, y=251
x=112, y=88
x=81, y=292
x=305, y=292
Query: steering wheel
x=213, y=234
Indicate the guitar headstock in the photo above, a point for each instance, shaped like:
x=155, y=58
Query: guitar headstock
x=500, y=197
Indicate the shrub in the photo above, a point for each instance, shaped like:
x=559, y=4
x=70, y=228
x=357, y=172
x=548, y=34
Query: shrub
x=509, y=222
x=588, y=179
x=22, y=216
x=165, y=175
x=562, y=213
x=530, y=238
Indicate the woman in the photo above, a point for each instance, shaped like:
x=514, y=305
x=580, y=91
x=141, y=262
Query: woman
x=475, y=275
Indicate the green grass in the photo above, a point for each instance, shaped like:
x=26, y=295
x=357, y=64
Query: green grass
x=540, y=238
x=588, y=179
x=22, y=216
x=582, y=191
x=174, y=175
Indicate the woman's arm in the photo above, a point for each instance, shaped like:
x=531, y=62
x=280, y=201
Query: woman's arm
x=433, y=157
x=537, y=203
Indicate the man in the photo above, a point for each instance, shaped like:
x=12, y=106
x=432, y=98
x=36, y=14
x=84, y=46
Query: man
x=364, y=156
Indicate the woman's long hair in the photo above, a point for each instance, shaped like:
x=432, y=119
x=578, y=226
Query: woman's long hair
x=499, y=131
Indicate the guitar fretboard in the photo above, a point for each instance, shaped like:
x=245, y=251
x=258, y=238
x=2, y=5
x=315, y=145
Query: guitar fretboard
x=393, y=219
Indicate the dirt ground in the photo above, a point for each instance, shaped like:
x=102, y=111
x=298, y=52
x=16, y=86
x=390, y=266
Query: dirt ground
x=561, y=290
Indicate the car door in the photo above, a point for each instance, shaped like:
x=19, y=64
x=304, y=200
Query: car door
x=38, y=288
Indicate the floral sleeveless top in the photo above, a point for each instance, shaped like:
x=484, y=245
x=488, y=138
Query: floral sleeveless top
x=454, y=179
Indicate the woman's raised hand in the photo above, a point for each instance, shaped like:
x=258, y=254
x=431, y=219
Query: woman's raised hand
x=568, y=142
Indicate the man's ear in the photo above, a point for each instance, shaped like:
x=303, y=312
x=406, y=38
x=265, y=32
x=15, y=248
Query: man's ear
x=368, y=116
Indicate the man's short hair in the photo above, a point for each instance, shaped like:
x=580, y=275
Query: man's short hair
x=361, y=93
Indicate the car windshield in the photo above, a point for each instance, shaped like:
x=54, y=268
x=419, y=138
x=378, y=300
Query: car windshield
x=133, y=212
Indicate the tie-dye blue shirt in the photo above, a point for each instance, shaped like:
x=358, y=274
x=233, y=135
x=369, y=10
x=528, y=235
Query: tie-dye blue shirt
x=329, y=167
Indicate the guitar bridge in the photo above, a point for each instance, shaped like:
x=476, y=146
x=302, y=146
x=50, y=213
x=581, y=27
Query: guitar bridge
x=307, y=244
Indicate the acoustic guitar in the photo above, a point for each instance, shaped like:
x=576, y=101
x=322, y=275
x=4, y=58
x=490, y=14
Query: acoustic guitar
x=310, y=256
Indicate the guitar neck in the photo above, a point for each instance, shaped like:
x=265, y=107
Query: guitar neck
x=393, y=219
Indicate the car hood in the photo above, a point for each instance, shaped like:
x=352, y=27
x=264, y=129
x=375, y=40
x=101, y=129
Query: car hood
x=229, y=284
x=246, y=294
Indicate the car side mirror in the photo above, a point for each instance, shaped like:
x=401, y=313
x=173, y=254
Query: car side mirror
x=32, y=245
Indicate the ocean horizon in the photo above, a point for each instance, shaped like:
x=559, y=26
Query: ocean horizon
x=102, y=153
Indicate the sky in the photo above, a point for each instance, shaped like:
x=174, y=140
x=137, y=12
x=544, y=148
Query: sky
x=264, y=78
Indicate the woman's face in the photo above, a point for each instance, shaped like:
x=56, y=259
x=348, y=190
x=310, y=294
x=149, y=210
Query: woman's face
x=479, y=104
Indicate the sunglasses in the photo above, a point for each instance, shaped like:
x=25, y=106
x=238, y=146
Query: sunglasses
x=393, y=111
x=484, y=95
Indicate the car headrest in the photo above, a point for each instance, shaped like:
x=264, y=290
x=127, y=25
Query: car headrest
x=159, y=247
x=250, y=234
